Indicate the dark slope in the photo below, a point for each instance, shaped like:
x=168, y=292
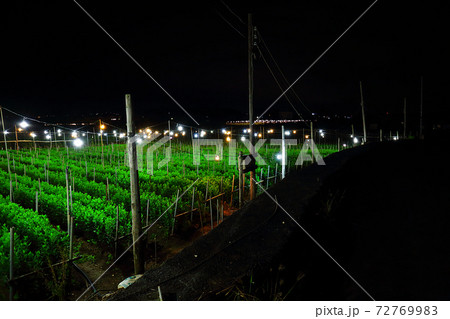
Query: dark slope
x=381, y=210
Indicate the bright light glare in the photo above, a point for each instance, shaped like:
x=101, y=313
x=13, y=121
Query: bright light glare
x=279, y=156
x=195, y=135
x=228, y=139
x=78, y=142
x=287, y=133
x=180, y=128
x=171, y=133
x=139, y=140
x=355, y=140
x=32, y=135
x=243, y=138
x=224, y=131
x=217, y=158
x=344, y=145
x=24, y=124
x=48, y=137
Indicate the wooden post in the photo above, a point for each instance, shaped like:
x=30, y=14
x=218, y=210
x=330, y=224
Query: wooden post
x=134, y=185
x=276, y=172
x=241, y=193
x=250, y=43
x=283, y=154
x=192, y=203
x=11, y=199
x=107, y=189
x=217, y=212
x=11, y=262
x=148, y=207
x=232, y=191
x=311, y=138
x=71, y=239
x=210, y=211
x=67, y=199
x=17, y=139
x=101, y=139
x=117, y=233
x=37, y=202
x=268, y=176
x=362, y=112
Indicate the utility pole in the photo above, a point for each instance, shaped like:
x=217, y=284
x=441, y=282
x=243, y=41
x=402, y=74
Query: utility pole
x=101, y=138
x=6, y=144
x=241, y=180
x=421, y=109
x=134, y=185
x=312, y=143
x=283, y=154
x=250, y=99
x=17, y=139
x=404, y=118
x=363, y=116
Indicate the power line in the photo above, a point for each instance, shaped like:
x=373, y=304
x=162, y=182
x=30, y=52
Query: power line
x=281, y=72
x=318, y=58
x=229, y=23
x=278, y=83
x=232, y=12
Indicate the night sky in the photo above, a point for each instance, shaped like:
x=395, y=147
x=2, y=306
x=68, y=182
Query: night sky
x=55, y=60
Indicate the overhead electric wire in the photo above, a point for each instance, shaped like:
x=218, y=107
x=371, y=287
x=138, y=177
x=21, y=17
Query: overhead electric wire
x=281, y=72
x=278, y=83
x=317, y=59
x=230, y=24
x=232, y=12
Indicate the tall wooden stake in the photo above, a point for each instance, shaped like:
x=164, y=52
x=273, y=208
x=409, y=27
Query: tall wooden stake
x=134, y=185
x=241, y=186
x=312, y=142
x=6, y=144
x=11, y=263
x=283, y=154
x=362, y=112
x=250, y=99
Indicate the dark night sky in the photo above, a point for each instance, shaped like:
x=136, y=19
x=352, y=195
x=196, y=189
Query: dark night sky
x=55, y=60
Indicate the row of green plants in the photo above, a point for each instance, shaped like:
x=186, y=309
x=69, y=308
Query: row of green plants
x=37, y=242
